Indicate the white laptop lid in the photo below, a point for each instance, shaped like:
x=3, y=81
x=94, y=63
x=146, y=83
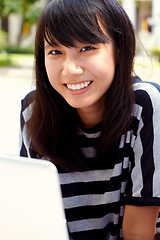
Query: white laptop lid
x=31, y=206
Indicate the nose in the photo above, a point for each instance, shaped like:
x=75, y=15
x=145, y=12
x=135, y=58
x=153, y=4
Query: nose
x=71, y=67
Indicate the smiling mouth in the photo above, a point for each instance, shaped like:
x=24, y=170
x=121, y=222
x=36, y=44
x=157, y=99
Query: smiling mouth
x=78, y=86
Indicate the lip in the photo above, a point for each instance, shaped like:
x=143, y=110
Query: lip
x=78, y=91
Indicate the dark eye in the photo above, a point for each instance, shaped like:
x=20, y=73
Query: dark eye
x=87, y=48
x=55, y=52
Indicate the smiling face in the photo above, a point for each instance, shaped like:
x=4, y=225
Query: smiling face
x=81, y=74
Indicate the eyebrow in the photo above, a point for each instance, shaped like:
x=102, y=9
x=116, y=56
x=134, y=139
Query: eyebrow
x=47, y=45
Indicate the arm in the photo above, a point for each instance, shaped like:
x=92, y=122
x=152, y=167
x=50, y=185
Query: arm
x=139, y=222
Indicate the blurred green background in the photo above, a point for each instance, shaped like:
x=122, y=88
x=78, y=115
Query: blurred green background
x=17, y=30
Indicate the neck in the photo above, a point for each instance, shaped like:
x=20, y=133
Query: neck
x=90, y=117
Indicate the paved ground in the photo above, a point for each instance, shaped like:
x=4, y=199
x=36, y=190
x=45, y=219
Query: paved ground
x=16, y=82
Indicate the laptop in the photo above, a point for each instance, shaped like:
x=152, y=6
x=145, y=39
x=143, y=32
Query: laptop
x=31, y=206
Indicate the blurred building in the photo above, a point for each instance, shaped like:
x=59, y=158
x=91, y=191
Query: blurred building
x=145, y=16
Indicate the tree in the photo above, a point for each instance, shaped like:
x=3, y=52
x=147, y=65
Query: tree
x=28, y=9
x=18, y=6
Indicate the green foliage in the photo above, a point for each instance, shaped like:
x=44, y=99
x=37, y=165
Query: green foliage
x=32, y=14
x=30, y=9
x=155, y=51
x=9, y=6
x=5, y=60
x=3, y=39
x=15, y=60
x=18, y=49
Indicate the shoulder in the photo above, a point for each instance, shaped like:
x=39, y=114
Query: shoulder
x=27, y=105
x=136, y=79
x=150, y=88
x=27, y=100
x=147, y=95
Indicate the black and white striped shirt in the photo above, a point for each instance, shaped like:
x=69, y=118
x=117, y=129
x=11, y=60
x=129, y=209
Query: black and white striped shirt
x=94, y=200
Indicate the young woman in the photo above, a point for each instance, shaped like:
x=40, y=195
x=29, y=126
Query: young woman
x=96, y=122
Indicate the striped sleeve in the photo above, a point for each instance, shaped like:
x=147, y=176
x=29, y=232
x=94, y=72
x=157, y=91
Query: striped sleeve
x=26, y=111
x=144, y=186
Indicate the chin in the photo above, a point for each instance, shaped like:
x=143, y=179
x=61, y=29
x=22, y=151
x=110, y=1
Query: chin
x=79, y=105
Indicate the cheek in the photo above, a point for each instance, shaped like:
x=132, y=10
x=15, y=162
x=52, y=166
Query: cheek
x=105, y=63
x=110, y=68
x=51, y=72
x=105, y=69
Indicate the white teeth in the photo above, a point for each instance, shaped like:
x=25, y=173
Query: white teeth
x=78, y=86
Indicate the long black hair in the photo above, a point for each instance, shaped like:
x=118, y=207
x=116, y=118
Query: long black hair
x=52, y=126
